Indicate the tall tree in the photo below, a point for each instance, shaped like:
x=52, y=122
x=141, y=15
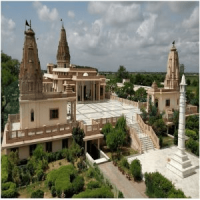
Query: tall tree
x=121, y=74
x=9, y=87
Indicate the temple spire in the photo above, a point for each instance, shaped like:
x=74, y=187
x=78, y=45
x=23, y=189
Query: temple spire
x=30, y=76
x=172, y=76
x=63, y=55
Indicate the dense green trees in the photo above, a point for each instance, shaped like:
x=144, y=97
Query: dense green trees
x=9, y=87
x=116, y=137
x=157, y=186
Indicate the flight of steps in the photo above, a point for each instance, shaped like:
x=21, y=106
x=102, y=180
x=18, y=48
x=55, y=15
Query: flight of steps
x=147, y=143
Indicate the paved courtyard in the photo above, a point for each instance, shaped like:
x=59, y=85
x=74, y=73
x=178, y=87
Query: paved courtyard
x=156, y=160
x=105, y=109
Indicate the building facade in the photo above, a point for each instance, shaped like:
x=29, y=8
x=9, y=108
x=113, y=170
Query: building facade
x=85, y=82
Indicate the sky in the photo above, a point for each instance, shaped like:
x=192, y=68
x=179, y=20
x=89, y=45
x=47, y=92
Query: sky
x=105, y=35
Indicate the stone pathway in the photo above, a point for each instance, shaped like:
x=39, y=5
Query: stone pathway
x=128, y=188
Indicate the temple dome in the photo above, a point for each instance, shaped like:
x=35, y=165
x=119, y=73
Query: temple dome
x=85, y=74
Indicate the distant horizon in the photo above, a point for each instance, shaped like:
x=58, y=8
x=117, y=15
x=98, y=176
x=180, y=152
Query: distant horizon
x=106, y=34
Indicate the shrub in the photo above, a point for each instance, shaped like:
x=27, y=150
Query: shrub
x=120, y=195
x=103, y=192
x=157, y=186
x=81, y=165
x=124, y=163
x=107, y=128
x=193, y=146
x=136, y=169
x=25, y=179
x=37, y=194
x=9, y=190
x=4, y=168
x=192, y=134
x=39, y=174
x=53, y=191
x=90, y=173
x=159, y=127
x=121, y=123
x=93, y=184
x=65, y=180
x=78, y=184
x=115, y=139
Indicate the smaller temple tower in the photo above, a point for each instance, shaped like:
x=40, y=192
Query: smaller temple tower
x=172, y=76
x=180, y=163
x=63, y=55
x=30, y=76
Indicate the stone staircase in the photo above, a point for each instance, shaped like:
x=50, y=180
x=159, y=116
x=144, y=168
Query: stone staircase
x=147, y=143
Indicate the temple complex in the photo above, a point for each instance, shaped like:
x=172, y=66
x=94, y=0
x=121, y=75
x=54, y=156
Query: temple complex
x=85, y=82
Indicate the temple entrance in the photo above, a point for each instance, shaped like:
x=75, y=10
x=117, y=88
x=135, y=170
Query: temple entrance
x=93, y=150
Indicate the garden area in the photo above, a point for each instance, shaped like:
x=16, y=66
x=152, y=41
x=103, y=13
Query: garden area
x=44, y=177
x=64, y=173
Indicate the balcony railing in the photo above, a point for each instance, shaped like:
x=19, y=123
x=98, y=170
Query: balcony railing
x=37, y=133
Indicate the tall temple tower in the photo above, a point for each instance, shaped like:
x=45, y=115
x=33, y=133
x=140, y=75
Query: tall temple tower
x=30, y=76
x=172, y=76
x=63, y=55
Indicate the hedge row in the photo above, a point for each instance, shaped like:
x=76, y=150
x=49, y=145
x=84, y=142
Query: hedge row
x=8, y=190
x=4, y=168
x=157, y=186
x=103, y=192
x=65, y=179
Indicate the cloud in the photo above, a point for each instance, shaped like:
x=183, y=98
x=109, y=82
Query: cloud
x=71, y=14
x=44, y=13
x=147, y=25
x=193, y=21
x=116, y=13
x=7, y=27
x=181, y=6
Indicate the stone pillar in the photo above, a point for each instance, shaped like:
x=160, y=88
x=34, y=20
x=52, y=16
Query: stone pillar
x=82, y=93
x=85, y=147
x=99, y=90
x=74, y=111
x=71, y=112
x=104, y=92
x=180, y=163
x=96, y=92
x=76, y=91
x=93, y=89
